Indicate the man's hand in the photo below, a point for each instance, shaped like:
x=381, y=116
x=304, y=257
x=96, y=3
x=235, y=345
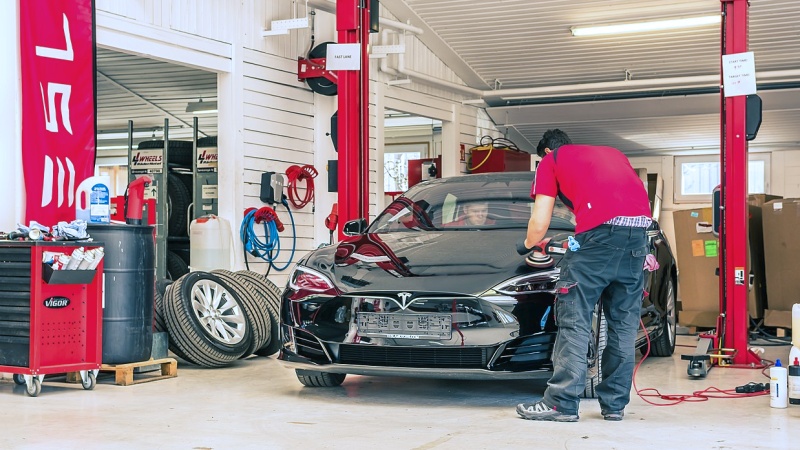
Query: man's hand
x=522, y=249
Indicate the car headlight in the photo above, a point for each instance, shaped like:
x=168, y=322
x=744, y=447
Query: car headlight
x=305, y=282
x=531, y=283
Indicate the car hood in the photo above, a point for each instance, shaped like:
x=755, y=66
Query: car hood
x=450, y=261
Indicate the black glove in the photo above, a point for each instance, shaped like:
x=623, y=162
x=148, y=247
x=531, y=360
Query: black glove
x=521, y=248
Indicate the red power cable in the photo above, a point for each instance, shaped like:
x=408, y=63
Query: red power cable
x=295, y=174
x=696, y=396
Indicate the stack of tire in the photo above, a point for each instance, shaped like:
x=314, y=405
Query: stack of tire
x=215, y=318
x=179, y=197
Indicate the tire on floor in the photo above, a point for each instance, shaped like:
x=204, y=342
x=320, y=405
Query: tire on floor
x=257, y=316
x=271, y=301
x=206, y=321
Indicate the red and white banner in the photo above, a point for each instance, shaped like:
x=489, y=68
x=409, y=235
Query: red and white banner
x=57, y=56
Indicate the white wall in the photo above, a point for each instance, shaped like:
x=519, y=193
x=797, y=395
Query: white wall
x=11, y=182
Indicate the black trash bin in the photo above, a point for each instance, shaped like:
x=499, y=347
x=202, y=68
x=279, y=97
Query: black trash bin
x=129, y=288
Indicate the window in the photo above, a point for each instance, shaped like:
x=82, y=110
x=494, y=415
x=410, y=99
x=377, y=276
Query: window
x=697, y=176
x=395, y=164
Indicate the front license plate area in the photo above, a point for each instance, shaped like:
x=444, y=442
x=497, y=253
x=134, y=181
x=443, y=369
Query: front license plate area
x=405, y=326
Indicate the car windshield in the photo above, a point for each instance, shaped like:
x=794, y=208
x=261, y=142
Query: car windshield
x=467, y=203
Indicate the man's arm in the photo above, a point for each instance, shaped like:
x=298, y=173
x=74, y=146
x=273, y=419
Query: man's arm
x=540, y=219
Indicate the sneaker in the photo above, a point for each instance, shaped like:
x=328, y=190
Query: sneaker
x=615, y=416
x=540, y=411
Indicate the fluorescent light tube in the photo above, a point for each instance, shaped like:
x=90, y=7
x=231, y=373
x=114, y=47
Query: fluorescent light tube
x=642, y=27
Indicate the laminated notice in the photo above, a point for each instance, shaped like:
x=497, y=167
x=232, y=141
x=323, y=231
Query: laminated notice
x=711, y=249
x=698, y=248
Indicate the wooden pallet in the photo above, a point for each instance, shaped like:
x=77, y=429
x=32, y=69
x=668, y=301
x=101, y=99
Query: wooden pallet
x=124, y=372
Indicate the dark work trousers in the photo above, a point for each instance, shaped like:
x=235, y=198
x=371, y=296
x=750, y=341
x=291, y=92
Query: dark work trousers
x=608, y=266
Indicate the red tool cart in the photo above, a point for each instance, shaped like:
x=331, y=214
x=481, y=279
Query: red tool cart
x=50, y=320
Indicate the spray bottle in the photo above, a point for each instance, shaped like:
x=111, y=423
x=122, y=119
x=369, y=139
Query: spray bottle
x=778, y=397
x=794, y=353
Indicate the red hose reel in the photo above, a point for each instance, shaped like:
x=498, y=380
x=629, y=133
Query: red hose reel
x=295, y=174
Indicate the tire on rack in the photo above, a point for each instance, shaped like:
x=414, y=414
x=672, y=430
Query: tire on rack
x=176, y=266
x=597, y=344
x=162, y=284
x=664, y=344
x=206, y=320
x=271, y=300
x=180, y=153
x=258, y=318
x=319, y=379
x=178, y=200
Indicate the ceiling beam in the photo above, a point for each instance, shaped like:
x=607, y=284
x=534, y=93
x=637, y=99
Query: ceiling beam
x=438, y=46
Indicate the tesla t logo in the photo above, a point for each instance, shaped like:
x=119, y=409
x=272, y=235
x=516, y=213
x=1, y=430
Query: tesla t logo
x=404, y=296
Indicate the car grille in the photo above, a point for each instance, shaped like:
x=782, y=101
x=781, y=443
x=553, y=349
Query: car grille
x=459, y=358
x=308, y=345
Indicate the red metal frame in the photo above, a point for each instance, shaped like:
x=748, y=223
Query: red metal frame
x=314, y=68
x=352, y=24
x=732, y=325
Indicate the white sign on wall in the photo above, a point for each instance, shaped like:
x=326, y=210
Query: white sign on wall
x=343, y=57
x=739, y=74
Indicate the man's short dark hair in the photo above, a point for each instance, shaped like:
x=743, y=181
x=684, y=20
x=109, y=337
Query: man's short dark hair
x=552, y=139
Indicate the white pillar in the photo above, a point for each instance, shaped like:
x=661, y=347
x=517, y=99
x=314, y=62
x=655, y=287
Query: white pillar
x=12, y=187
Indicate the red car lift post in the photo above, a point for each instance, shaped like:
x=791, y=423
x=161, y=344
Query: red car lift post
x=352, y=24
x=733, y=323
x=730, y=345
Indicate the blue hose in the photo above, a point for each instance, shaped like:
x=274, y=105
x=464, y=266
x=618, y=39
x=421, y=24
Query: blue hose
x=269, y=248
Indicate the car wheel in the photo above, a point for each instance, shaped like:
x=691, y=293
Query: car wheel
x=597, y=344
x=206, y=320
x=320, y=379
x=664, y=344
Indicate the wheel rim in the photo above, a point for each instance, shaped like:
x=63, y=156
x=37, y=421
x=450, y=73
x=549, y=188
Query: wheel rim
x=220, y=315
x=672, y=321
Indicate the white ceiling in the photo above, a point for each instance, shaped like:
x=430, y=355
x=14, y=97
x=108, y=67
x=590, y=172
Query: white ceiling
x=528, y=44
x=148, y=91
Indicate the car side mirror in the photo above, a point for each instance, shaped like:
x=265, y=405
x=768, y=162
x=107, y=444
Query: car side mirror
x=354, y=227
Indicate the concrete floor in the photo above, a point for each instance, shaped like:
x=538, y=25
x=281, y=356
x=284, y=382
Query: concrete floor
x=259, y=404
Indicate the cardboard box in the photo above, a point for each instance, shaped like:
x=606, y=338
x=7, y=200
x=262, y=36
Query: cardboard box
x=757, y=298
x=781, y=220
x=698, y=259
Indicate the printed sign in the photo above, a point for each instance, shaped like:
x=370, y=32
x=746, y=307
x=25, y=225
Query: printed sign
x=739, y=74
x=209, y=191
x=58, y=104
x=343, y=57
x=207, y=159
x=147, y=161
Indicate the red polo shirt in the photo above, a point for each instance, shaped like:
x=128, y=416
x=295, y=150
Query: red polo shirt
x=599, y=182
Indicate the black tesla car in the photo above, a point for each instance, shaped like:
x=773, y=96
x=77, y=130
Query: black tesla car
x=423, y=292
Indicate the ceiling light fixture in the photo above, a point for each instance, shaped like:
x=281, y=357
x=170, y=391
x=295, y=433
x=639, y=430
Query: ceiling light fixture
x=642, y=27
x=201, y=107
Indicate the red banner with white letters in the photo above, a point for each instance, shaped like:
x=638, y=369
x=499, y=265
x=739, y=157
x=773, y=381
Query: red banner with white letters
x=57, y=55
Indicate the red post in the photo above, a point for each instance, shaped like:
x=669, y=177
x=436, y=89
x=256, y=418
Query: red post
x=734, y=329
x=352, y=19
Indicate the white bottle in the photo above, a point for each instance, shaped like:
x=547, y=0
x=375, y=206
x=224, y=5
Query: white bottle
x=778, y=383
